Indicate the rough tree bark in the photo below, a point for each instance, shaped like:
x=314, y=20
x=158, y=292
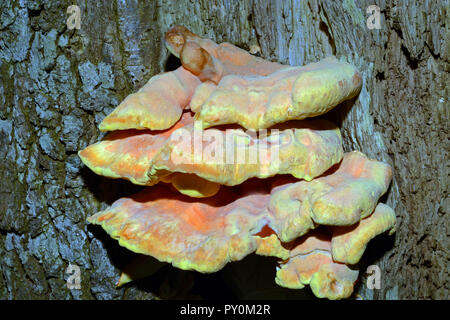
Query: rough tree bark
x=57, y=84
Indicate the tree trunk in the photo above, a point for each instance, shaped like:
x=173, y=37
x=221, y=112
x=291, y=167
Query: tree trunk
x=56, y=85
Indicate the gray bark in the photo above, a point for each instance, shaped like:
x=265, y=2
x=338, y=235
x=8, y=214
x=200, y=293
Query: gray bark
x=56, y=85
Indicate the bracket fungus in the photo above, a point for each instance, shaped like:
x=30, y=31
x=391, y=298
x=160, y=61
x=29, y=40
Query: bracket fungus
x=223, y=193
x=231, y=156
x=205, y=233
x=127, y=154
x=158, y=105
x=310, y=263
x=341, y=198
x=211, y=61
x=258, y=102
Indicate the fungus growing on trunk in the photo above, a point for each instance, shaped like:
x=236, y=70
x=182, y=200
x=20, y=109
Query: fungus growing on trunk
x=127, y=154
x=310, y=263
x=144, y=157
x=204, y=234
x=208, y=233
x=211, y=61
x=317, y=218
x=258, y=102
x=340, y=198
x=304, y=149
x=348, y=243
x=158, y=105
